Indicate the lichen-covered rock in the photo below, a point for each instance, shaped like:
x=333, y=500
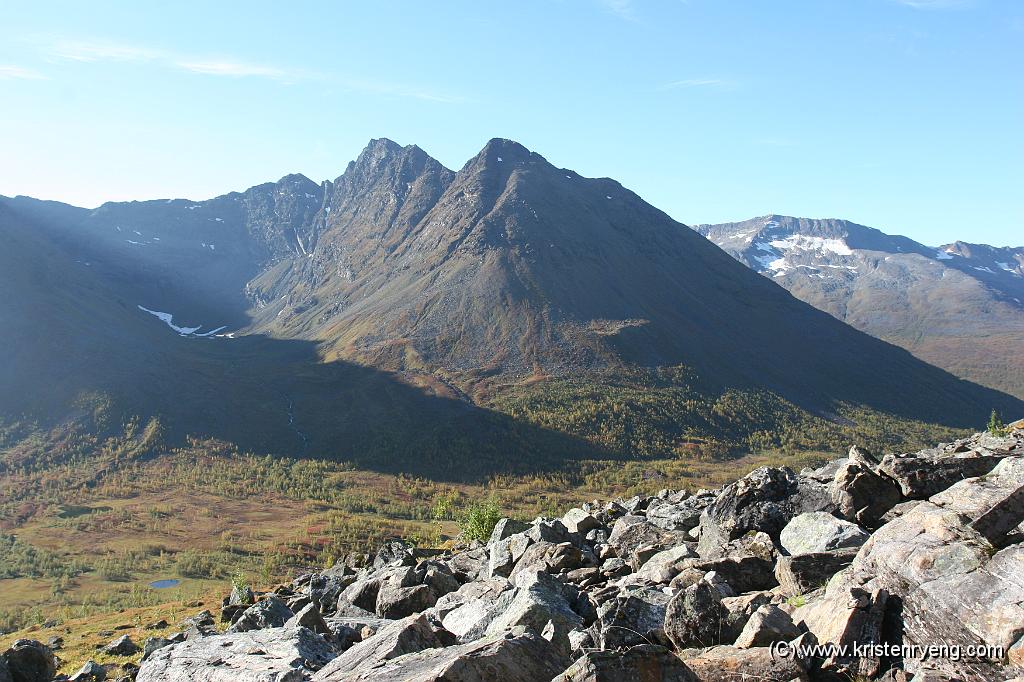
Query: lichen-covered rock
x=272, y=655
x=728, y=664
x=696, y=617
x=642, y=662
x=861, y=495
x=634, y=616
x=269, y=612
x=820, y=532
x=522, y=656
x=397, y=638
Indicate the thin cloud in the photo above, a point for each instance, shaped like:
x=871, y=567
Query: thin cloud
x=695, y=83
x=11, y=72
x=224, y=67
x=84, y=51
x=232, y=68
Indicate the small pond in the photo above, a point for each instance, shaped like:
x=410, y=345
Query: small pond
x=162, y=584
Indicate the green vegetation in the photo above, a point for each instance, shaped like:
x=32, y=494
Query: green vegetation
x=995, y=425
x=479, y=521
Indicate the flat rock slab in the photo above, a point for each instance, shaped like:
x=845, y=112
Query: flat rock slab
x=272, y=655
x=523, y=657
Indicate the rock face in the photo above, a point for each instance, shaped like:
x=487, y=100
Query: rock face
x=781, y=558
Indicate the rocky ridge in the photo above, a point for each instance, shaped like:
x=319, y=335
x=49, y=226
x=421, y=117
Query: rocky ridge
x=899, y=553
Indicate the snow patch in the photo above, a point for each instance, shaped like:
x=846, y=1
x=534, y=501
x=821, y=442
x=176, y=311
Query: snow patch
x=984, y=269
x=1005, y=266
x=804, y=243
x=168, y=319
x=942, y=255
x=500, y=159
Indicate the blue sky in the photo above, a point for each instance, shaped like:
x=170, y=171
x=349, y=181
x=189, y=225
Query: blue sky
x=904, y=115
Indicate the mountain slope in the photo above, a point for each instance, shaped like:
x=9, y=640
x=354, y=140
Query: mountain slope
x=407, y=317
x=957, y=306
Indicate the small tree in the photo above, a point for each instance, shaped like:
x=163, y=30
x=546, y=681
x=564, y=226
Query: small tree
x=480, y=520
x=995, y=425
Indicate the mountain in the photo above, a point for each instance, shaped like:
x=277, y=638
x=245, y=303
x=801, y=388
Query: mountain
x=958, y=306
x=407, y=317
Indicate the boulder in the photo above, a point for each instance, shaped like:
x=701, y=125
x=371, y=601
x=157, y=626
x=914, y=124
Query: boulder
x=806, y=572
x=398, y=602
x=763, y=500
x=538, y=599
x=521, y=655
x=309, y=617
x=30, y=661
x=861, y=495
x=548, y=530
x=630, y=533
x=5, y=672
x=696, y=617
x=549, y=558
x=729, y=664
x=269, y=612
x=469, y=565
x=820, y=532
x=90, y=672
x=395, y=639
x=642, y=662
x=504, y=554
x=682, y=516
x=664, y=565
x=122, y=646
x=578, y=521
x=395, y=553
x=929, y=472
x=153, y=644
x=506, y=527
x=273, y=655
x=769, y=624
x=634, y=616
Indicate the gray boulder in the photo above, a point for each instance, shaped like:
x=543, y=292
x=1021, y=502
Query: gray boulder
x=578, y=521
x=5, y=672
x=274, y=655
x=642, y=662
x=820, y=532
x=862, y=495
x=538, y=600
x=152, y=644
x=664, y=565
x=90, y=672
x=633, y=617
x=122, y=646
x=309, y=617
x=763, y=500
x=769, y=624
x=806, y=572
x=395, y=553
x=504, y=554
x=696, y=617
x=269, y=612
x=522, y=656
x=395, y=639
x=506, y=527
x=30, y=661
x=926, y=473
x=549, y=558
x=398, y=602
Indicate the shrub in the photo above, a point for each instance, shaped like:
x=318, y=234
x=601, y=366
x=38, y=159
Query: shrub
x=995, y=425
x=479, y=521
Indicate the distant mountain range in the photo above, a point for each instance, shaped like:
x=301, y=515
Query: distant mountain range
x=409, y=317
x=959, y=306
